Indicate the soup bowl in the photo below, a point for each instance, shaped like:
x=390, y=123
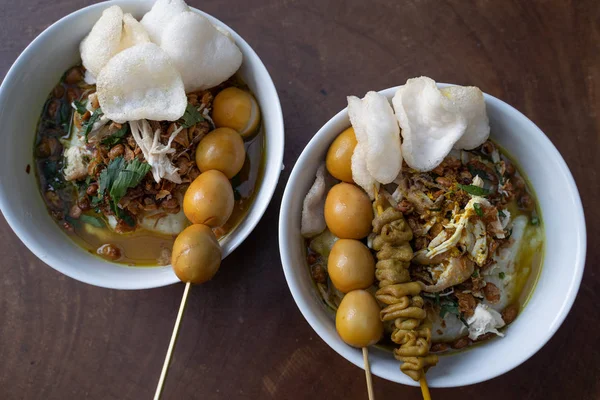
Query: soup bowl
x=22, y=95
x=558, y=282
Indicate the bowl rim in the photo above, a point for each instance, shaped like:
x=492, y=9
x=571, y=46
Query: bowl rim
x=309, y=311
x=250, y=221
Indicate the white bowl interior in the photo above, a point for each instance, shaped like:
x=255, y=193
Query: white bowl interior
x=565, y=247
x=22, y=95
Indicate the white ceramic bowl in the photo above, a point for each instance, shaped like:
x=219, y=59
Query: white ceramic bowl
x=22, y=95
x=564, y=257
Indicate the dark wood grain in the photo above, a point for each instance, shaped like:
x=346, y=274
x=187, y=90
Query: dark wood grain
x=242, y=336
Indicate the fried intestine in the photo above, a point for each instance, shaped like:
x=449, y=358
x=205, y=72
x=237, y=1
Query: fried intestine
x=404, y=305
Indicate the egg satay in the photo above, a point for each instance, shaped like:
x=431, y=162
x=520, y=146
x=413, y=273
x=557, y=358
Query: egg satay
x=351, y=267
x=196, y=255
x=207, y=203
x=404, y=306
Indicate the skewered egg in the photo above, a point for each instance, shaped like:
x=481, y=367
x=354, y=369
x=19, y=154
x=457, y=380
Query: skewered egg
x=351, y=265
x=223, y=150
x=209, y=199
x=339, y=156
x=196, y=254
x=357, y=319
x=237, y=109
x=348, y=211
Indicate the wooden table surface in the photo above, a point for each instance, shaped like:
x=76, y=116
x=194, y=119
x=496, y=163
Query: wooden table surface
x=242, y=336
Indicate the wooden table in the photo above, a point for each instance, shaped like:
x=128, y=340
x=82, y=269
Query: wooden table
x=242, y=336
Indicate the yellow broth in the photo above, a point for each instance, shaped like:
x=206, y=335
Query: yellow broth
x=138, y=248
x=530, y=260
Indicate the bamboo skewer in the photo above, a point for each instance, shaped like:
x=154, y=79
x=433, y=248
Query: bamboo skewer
x=167, y=362
x=365, y=352
x=424, y=388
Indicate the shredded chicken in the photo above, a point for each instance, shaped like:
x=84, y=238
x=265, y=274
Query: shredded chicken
x=505, y=219
x=484, y=320
x=154, y=151
x=206, y=115
x=76, y=164
x=475, y=242
x=477, y=181
x=458, y=270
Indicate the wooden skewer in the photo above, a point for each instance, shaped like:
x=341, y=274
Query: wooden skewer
x=365, y=352
x=424, y=388
x=165, y=368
